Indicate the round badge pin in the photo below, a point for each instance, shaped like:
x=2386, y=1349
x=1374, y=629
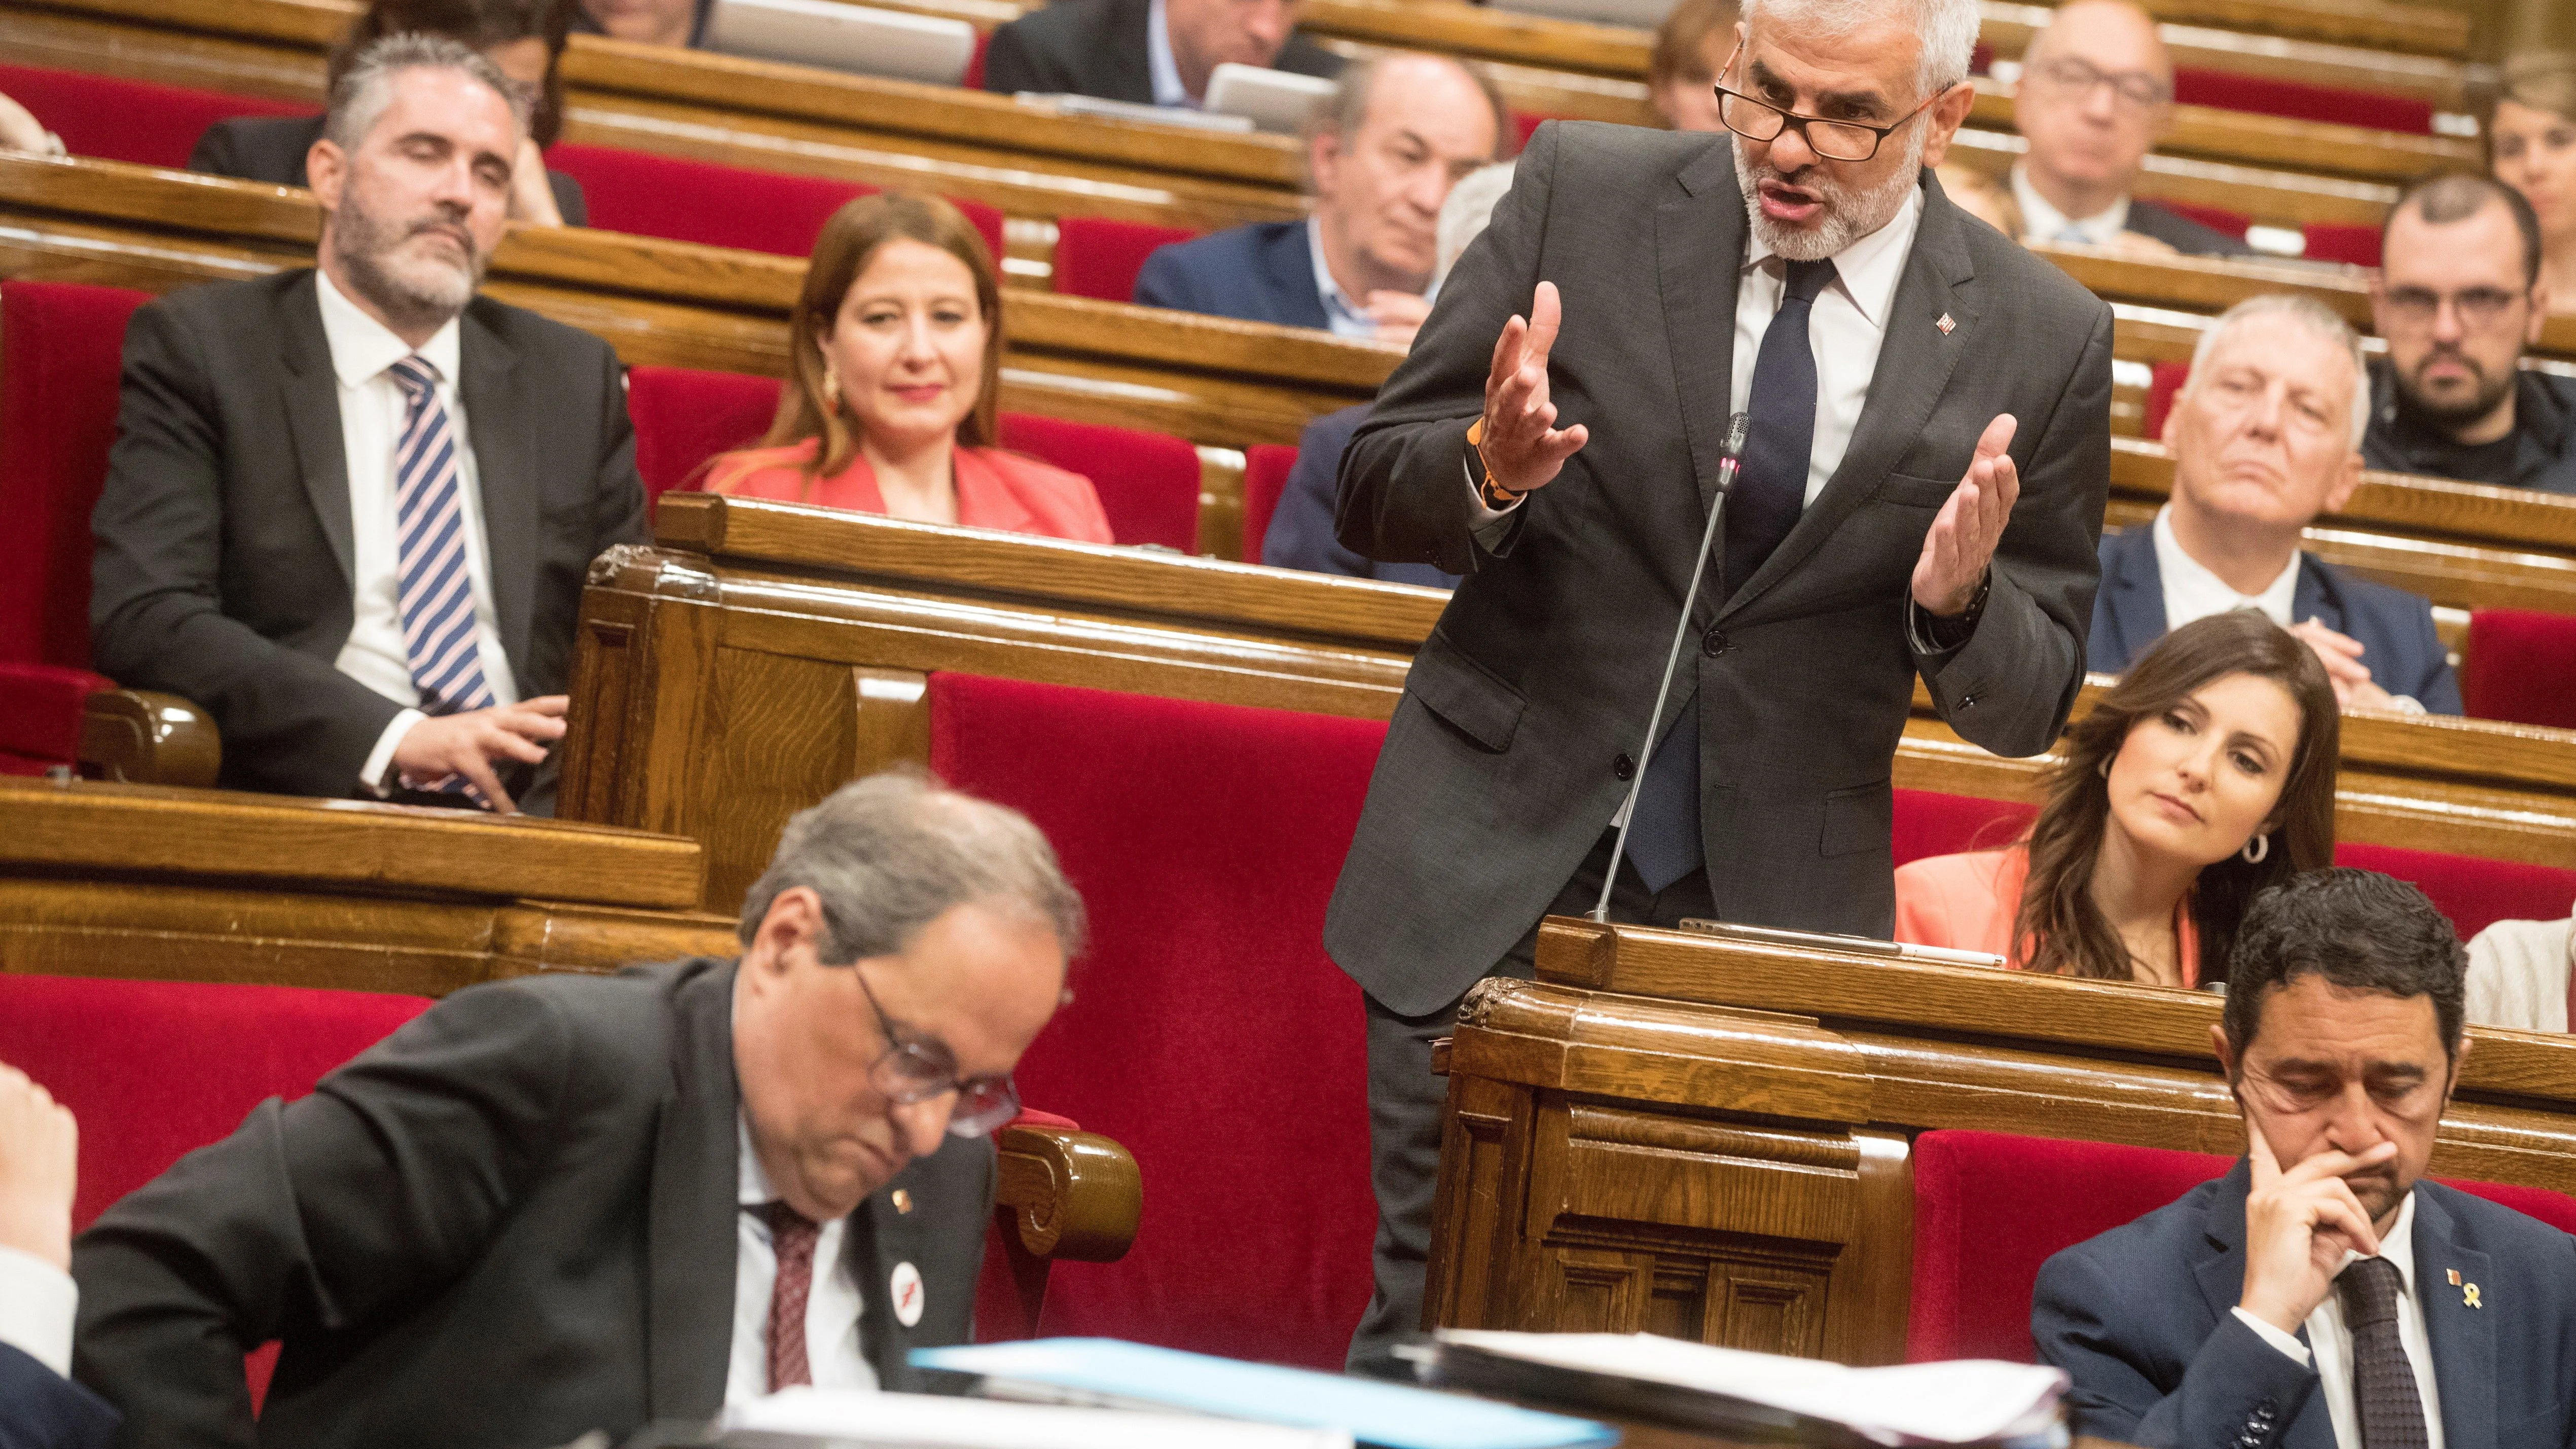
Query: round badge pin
x=905, y=1288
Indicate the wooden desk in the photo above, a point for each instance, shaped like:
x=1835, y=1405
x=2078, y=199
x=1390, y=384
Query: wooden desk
x=209, y=885
x=1711, y=1139
x=766, y=653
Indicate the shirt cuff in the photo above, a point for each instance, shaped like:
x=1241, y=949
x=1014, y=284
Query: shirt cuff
x=38, y=1302
x=2288, y=1344
x=1485, y=522
x=380, y=760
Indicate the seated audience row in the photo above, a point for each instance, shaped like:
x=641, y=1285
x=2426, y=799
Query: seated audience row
x=1146, y=52
x=2205, y=776
x=524, y=39
x=1381, y=155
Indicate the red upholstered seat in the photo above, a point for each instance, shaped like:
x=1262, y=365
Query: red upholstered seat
x=973, y=79
x=1929, y=823
x=2162, y=389
x=724, y=206
x=2357, y=245
x=2520, y=667
x=1097, y=257
x=1524, y=126
x=1208, y=1032
x=40, y=715
x=1265, y=476
x=123, y=120
x=1148, y=482
x=1989, y=1209
x=2229, y=91
x=2474, y=893
x=684, y=416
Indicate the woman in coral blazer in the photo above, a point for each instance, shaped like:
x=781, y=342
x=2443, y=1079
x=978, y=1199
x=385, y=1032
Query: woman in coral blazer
x=895, y=359
x=2206, y=775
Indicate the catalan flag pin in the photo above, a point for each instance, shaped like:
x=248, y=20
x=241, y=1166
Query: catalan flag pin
x=1947, y=324
x=2454, y=1275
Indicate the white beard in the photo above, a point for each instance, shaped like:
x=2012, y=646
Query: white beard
x=1848, y=217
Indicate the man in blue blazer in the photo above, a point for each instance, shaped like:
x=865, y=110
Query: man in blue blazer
x=1385, y=148
x=2266, y=436
x=39, y=1407
x=2321, y=1295
x=1301, y=527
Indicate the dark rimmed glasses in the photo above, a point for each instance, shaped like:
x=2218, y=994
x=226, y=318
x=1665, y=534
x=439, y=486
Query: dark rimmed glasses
x=1833, y=140
x=916, y=1068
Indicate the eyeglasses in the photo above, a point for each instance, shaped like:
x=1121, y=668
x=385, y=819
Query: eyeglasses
x=2479, y=308
x=1833, y=140
x=917, y=1068
x=2134, y=89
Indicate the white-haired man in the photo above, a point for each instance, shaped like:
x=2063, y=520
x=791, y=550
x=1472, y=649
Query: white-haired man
x=349, y=509
x=1921, y=492
x=2266, y=436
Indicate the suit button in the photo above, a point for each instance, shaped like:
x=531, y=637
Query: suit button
x=1714, y=643
x=1623, y=767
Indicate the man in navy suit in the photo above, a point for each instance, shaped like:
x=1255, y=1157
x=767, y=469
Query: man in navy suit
x=39, y=1407
x=1384, y=150
x=2266, y=436
x=2321, y=1295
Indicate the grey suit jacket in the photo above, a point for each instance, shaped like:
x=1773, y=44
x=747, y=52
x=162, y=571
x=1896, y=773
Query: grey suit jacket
x=223, y=571
x=1510, y=748
x=508, y=1224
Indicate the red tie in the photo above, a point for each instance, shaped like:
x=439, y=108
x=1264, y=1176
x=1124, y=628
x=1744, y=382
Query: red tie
x=792, y=1234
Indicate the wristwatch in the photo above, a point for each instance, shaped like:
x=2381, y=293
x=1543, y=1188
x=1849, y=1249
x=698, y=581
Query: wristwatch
x=1496, y=496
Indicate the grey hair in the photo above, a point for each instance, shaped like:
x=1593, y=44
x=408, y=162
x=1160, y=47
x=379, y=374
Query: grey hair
x=893, y=852
x=2318, y=318
x=366, y=88
x=1463, y=216
x=1947, y=28
x=1344, y=111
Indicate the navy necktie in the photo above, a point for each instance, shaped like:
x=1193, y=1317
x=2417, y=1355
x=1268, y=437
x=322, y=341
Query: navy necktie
x=1770, y=493
x=2383, y=1379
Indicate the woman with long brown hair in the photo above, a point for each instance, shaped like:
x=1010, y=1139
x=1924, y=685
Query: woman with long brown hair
x=2205, y=775
x=894, y=373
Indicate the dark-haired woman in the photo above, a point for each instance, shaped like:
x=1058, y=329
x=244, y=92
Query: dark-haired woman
x=524, y=38
x=2205, y=775
x=894, y=377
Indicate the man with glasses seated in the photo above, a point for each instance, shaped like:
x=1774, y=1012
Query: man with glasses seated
x=2460, y=295
x=2096, y=94
x=570, y=1203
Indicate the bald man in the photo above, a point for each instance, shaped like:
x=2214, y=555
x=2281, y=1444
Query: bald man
x=2096, y=95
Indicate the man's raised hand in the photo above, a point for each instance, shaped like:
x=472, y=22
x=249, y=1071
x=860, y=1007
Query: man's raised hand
x=1962, y=539
x=2298, y=1225
x=1520, y=442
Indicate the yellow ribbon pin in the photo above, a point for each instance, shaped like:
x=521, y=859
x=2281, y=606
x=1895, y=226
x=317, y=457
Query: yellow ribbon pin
x=2469, y=1295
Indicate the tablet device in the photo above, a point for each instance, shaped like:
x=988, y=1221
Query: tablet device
x=856, y=38
x=1275, y=100
x=1641, y=14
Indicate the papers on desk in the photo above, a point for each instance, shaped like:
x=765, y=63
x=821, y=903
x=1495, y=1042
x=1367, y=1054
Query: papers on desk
x=1968, y=1402
x=1106, y=1372
x=864, y=1419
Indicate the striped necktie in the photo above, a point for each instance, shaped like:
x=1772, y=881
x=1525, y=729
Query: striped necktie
x=439, y=632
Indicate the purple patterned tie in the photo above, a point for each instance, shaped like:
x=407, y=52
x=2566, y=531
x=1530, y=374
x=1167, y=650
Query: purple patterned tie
x=2383, y=1380
x=437, y=588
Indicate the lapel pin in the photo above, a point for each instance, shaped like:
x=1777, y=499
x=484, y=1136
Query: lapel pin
x=905, y=1288
x=2469, y=1295
x=2453, y=1274
x=903, y=1204
x=1947, y=324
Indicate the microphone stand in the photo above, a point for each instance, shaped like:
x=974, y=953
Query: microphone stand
x=1728, y=462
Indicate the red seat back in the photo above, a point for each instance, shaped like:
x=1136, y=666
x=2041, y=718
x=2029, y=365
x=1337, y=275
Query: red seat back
x=1097, y=257
x=61, y=346
x=2356, y=245
x=724, y=206
x=1989, y=1209
x=1148, y=482
x=2519, y=667
x=1208, y=1032
x=2229, y=91
x=2162, y=389
x=41, y=706
x=684, y=416
x=2474, y=893
x=123, y=120
x=1265, y=476
x=1929, y=823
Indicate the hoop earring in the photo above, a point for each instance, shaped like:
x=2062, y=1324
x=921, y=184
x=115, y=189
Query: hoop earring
x=2103, y=769
x=2256, y=849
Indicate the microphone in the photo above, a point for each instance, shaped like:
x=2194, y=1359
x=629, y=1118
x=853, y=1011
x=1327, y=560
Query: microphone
x=1728, y=461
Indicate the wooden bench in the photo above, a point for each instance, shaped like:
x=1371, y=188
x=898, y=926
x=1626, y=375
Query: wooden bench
x=1711, y=1138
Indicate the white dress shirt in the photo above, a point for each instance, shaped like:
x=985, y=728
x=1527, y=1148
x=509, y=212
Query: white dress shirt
x=37, y=1304
x=833, y=1349
x=371, y=419
x=2193, y=593
x=1345, y=319
x=1166, y=72
x=2333, y=1342
x=2041, y=222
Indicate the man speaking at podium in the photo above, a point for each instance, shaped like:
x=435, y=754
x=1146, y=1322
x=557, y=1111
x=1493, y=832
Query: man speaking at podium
x=1920, y=491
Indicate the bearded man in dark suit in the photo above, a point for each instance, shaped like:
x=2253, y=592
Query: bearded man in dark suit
x=1921, y=494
